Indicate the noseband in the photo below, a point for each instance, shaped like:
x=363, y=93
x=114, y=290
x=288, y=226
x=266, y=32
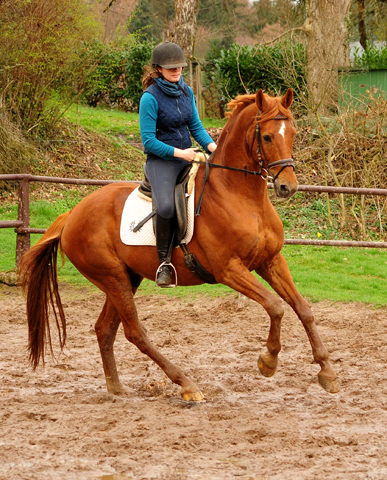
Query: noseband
x=286, y=162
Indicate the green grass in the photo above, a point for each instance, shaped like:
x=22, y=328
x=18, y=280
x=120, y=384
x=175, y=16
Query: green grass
x=320, y=273
x=339, y=274
x=116, y=122
x=103, y=120
x=213, y=122
x=42, y=214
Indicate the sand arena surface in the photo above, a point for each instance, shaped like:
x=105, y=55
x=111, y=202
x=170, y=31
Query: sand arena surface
x=60, y=423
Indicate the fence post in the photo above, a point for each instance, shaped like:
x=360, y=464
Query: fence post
x=199, y=96
x=23, y=238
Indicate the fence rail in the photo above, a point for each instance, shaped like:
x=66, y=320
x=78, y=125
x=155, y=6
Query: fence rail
x=23, y=229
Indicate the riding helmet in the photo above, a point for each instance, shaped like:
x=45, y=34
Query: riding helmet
x=168, y=55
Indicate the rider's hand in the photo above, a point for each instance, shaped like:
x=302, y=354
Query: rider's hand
x=188, y=154
x=211, y=147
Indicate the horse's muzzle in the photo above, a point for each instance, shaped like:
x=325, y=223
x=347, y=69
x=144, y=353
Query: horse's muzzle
x=285, y=189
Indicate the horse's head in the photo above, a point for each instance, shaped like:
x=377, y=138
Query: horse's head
x=275, y=135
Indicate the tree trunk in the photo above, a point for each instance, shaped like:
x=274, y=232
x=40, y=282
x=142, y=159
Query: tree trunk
x=185, y=25
x=326, y=34
x=361, y=24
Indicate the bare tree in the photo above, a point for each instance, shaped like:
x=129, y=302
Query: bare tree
x=185, y=25
x=326, y=35
x=114, y=14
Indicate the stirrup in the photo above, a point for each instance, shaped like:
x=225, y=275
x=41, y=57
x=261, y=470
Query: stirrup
x=168, y=264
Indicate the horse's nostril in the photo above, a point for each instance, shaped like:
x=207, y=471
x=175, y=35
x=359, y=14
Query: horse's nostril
x=284, y=190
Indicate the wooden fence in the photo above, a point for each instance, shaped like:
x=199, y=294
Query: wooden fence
x=23, y=229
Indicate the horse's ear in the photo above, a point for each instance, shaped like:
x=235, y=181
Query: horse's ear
x=287, y=99
x=260, y=100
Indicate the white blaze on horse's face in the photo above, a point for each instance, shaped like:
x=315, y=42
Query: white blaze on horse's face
x=282, y=130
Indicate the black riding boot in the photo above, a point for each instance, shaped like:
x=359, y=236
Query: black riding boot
x=165, y=228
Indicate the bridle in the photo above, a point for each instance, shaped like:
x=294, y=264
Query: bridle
x=284, y=163
x=264, y=169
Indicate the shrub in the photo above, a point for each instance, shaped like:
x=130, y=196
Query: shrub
x=241, y=69
x=116, y=81
x=374, y=58
x=41, y=53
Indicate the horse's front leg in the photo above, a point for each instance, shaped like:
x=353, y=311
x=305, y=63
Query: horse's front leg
x=238, y=277
x=277, y=274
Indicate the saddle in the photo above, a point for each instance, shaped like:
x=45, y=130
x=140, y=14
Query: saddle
x=183, y=190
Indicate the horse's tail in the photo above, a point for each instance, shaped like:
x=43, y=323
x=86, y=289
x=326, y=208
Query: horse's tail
x=39, y=278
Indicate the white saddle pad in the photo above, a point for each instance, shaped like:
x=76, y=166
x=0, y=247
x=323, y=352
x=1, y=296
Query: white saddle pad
x=136, y=209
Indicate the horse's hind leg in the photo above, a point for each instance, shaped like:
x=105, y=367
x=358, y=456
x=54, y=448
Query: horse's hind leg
x=106, y=330
x=121, y=296
x=277, y=274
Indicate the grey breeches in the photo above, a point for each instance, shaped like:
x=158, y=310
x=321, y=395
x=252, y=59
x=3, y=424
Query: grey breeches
x=162, y=175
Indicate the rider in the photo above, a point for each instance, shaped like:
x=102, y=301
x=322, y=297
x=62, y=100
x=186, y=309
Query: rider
x=168, y=116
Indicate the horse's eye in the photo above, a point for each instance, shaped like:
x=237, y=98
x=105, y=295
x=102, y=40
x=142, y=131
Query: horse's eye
x=267, y=138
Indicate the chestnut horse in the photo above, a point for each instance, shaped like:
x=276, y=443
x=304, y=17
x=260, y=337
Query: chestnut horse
x=238, y=231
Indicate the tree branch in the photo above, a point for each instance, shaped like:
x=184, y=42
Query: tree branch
x=304, y=28
x=108, y=7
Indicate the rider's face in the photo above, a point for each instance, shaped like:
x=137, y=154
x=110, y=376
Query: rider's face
x=171, y=74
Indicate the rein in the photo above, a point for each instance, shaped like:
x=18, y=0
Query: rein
x=287, y=162
x=225, y=167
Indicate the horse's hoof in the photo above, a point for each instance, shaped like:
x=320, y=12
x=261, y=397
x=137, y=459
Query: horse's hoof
x=118, y=390
x=193, y=396
x=265, y=369
x=331, y=385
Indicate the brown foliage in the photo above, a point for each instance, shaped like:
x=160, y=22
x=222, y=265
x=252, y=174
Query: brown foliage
x=357, y=138
x=15, y=150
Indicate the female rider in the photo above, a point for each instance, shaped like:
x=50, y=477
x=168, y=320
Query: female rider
x=168, y=116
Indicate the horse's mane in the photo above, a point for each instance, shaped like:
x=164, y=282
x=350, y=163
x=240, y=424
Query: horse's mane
x=238, y=104
x=274, y=107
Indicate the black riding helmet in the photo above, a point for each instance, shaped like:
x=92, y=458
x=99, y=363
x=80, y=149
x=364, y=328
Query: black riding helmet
x=168, y=55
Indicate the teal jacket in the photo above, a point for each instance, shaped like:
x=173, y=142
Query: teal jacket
x=152, y=109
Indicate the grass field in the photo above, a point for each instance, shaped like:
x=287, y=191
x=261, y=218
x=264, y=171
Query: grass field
x=320, y=273
x=116, y=122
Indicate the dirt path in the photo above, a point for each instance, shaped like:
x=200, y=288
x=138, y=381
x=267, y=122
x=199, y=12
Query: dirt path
x=59, y=423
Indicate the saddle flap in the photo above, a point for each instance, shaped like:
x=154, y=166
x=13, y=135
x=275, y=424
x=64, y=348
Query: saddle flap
x=145, y=187
x=181, y=211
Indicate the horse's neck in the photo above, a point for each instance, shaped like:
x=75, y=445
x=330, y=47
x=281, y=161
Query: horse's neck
x=235, y=151
x=235, y=189
x=236, y=154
